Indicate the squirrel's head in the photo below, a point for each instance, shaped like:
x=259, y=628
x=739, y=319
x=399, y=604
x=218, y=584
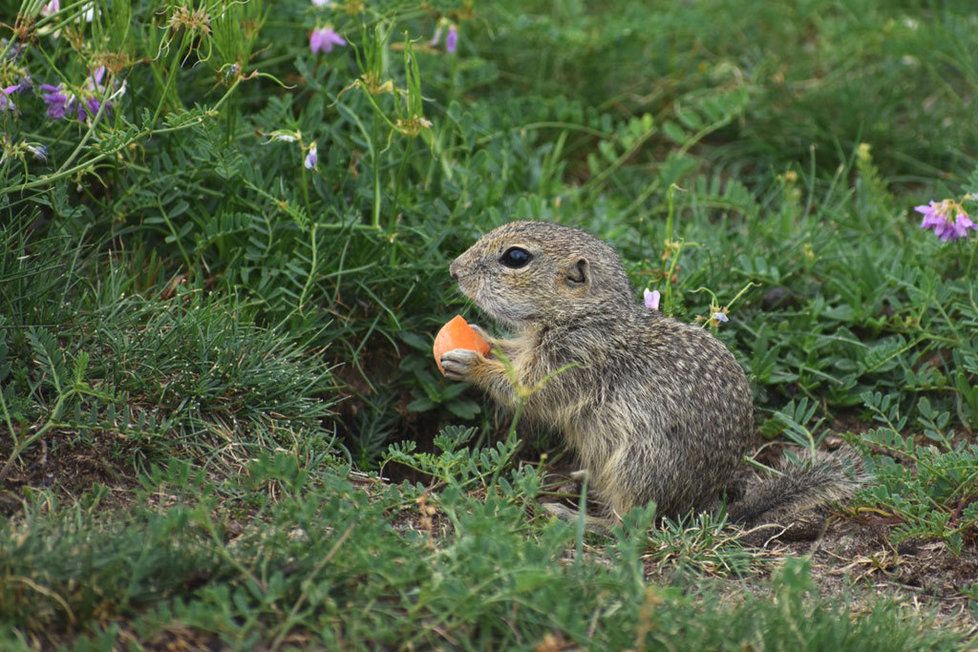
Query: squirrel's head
x=537, y=272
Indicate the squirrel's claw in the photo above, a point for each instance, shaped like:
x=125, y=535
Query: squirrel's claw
x=459, y=364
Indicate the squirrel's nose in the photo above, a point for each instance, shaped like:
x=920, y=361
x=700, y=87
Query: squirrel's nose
x=453, y=270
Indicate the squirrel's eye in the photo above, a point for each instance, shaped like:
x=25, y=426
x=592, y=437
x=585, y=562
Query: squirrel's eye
x=516, y=257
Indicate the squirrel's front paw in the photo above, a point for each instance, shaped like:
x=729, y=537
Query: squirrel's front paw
x=460, y=364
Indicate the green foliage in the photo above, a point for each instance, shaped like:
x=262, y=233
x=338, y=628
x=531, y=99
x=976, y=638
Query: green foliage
x=429, y=392
x=232, y=331
x=144, y=376
x=69, y=571
x=460, y=467
x=699, y=545
x=934, y=498
x=818, y=79
x=319, y=562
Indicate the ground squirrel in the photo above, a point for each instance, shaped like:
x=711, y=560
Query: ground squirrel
x=656, y=409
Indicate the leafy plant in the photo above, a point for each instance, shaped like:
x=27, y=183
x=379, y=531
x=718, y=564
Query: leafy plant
x=933, y=498
x=223, y=252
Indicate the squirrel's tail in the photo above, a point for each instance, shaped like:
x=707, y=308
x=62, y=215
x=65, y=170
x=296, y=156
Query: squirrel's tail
x=799, y=488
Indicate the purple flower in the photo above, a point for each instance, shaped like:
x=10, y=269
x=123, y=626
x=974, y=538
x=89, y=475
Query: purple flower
x=720, y=316
x=312, y=158
x=89, y=107
x=87, y=103
x=94, y=82
x=56, y=99
x=11, y=51
x=52, y=7
x=652, y=299
x=321, y=3
x=938, y=217
x=323, y=39
x=451, y=40
x=7, y=104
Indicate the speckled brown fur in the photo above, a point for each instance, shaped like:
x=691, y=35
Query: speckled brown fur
x=656, y=409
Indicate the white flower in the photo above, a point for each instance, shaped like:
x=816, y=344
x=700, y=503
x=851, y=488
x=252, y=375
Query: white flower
x=652, y=298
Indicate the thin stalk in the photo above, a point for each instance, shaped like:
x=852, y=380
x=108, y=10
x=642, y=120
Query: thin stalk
x=312, y=267
x=375, y=221
x=169, y=81
x=20, y=447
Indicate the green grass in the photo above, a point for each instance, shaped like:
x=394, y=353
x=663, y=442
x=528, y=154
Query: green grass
x=208, y=351
x=328, y=569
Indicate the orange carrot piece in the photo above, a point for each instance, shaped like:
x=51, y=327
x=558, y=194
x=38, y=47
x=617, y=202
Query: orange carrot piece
x=457, y=334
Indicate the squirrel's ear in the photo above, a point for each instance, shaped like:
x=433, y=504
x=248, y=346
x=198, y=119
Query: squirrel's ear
x=578, y=274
